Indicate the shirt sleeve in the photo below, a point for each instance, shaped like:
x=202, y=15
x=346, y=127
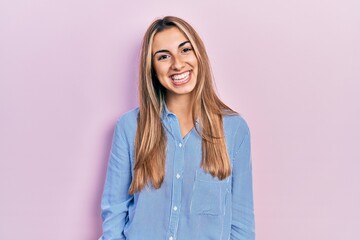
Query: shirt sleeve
x=243, y=224
x=115, y=199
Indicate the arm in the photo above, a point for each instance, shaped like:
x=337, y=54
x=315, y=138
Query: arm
x=115, y=199
x=243, y=225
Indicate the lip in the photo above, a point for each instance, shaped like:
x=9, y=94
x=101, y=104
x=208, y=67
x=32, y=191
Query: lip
x=177, y=84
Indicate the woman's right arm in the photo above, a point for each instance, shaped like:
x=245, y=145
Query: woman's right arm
x=115, y=199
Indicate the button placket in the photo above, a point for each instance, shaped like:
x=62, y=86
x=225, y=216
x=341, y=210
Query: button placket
x=177, y=176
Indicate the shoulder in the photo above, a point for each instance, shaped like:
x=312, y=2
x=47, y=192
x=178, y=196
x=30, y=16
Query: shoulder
x=236, y=124
x=126, y=124
x=236, y=131
x=129, y=117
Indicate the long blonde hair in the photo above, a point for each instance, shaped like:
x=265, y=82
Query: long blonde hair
x=150, y=140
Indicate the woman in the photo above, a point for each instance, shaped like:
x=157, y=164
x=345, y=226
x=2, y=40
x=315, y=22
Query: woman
x=180, y=165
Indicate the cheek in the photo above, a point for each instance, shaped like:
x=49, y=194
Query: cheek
x=160, y=69
x=156, y=69
x=162, y=83
x=161, y=75
x=193, y=61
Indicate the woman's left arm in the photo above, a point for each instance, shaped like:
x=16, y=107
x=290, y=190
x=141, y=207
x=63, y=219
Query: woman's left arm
x=243, y=224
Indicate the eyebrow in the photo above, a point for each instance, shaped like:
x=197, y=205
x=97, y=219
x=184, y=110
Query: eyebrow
x=163, y=50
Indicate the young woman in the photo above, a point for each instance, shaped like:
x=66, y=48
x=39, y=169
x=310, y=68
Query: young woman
x=180, y=165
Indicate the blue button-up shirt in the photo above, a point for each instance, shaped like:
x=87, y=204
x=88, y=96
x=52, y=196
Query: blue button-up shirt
x=190, y=204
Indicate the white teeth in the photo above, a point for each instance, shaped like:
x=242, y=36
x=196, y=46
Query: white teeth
x=180, y=76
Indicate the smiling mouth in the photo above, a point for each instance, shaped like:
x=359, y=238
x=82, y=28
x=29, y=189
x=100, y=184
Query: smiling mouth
x=182, y=78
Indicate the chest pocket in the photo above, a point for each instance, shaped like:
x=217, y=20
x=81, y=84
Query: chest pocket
x=209, y=194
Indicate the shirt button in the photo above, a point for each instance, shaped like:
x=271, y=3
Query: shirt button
x=180, y=145
x=175, y=208
x=171, y=238
x=177, y=176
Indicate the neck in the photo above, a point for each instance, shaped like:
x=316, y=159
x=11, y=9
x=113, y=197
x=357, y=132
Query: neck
x=180, y=105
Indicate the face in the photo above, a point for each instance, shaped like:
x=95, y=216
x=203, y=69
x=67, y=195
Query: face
x=174, y=62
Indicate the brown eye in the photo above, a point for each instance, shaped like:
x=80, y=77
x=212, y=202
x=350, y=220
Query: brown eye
x=163, y=57
x=185, y=50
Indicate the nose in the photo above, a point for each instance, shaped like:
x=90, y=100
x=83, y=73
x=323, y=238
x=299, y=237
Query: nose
x=177, y=63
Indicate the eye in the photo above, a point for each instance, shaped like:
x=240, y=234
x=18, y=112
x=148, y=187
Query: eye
x=187, y=49
x=163, y=57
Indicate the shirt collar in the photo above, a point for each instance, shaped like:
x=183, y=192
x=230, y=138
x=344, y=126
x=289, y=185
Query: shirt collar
x=166, y=113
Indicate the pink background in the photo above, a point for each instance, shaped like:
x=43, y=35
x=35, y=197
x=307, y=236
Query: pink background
x=68, y=69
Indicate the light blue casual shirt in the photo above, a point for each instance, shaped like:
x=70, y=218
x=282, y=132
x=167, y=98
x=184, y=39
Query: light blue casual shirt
x=190, y=204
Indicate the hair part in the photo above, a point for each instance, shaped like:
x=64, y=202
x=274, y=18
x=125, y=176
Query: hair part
x=150, y=139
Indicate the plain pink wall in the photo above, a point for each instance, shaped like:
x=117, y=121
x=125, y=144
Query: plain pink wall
x=291, y=68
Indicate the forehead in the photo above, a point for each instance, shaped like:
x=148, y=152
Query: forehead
x=168, y=39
